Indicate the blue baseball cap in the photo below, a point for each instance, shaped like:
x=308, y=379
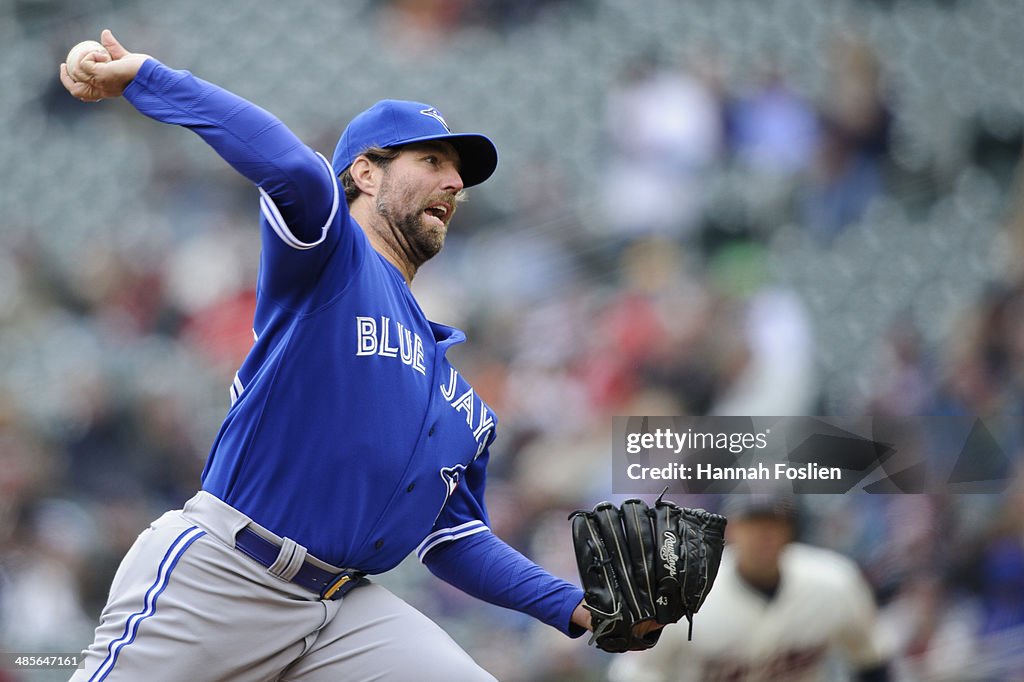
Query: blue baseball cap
x=392, y=123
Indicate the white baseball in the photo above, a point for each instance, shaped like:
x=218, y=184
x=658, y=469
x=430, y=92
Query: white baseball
x=79, y=51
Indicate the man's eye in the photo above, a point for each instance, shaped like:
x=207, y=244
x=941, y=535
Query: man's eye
x=432, y=160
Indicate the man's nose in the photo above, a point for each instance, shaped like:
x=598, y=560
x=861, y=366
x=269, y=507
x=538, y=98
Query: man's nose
x=452, y=180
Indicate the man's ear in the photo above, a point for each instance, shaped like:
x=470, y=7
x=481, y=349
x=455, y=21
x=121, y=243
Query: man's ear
x=366, y=175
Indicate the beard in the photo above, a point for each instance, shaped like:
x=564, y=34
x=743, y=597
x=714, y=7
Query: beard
x=422, y=237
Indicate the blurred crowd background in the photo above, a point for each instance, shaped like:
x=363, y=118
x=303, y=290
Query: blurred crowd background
x=738, y=207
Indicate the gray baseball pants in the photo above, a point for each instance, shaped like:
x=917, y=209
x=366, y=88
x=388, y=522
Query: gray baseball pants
x=186, y=605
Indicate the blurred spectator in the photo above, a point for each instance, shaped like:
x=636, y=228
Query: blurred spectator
x=855, y=130
x=779, y=610
x=932, y=633
x=40, y=602
x=984, y=367
x=665, y=133
x=774, y=130
x=996, y=576
x=421, y=25
x=772, y=372
x=903, y=383
x=424, y=23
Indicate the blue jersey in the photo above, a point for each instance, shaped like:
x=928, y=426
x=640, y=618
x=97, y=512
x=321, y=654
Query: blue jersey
x=349, y=430
x=348, y=397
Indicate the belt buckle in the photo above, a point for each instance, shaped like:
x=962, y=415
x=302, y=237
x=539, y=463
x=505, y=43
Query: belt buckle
x=341, y=584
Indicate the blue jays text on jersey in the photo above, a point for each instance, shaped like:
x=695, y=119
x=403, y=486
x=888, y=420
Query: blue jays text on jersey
x=349, y=431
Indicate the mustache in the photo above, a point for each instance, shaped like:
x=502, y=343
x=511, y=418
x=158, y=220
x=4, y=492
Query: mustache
x=447, y=198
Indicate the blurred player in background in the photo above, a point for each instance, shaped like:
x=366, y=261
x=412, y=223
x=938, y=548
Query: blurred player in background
x=351, y=440
x=780, y=610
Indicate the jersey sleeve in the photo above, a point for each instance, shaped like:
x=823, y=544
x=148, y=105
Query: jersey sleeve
x=464, y=552
x=300, y=199
x=464, y=513
x=487, y=568
x=859, y=636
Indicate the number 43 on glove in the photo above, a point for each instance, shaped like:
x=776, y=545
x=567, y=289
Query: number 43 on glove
x=640, y=563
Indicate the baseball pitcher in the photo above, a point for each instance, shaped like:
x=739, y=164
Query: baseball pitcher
x=350, y=441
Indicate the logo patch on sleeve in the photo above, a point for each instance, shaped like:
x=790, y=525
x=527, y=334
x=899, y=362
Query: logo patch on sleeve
x=451, y=477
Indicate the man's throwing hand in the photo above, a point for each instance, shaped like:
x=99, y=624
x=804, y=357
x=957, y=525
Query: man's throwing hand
x=95, y=71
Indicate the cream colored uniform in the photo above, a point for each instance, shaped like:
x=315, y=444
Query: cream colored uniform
x=823, y=606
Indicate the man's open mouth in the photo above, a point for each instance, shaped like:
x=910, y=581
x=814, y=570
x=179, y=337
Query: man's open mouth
x=440, y=211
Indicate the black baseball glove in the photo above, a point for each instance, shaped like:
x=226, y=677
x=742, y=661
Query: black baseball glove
x=640, y=563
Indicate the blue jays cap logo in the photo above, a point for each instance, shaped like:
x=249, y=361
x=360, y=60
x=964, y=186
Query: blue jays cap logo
x=435, y=114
